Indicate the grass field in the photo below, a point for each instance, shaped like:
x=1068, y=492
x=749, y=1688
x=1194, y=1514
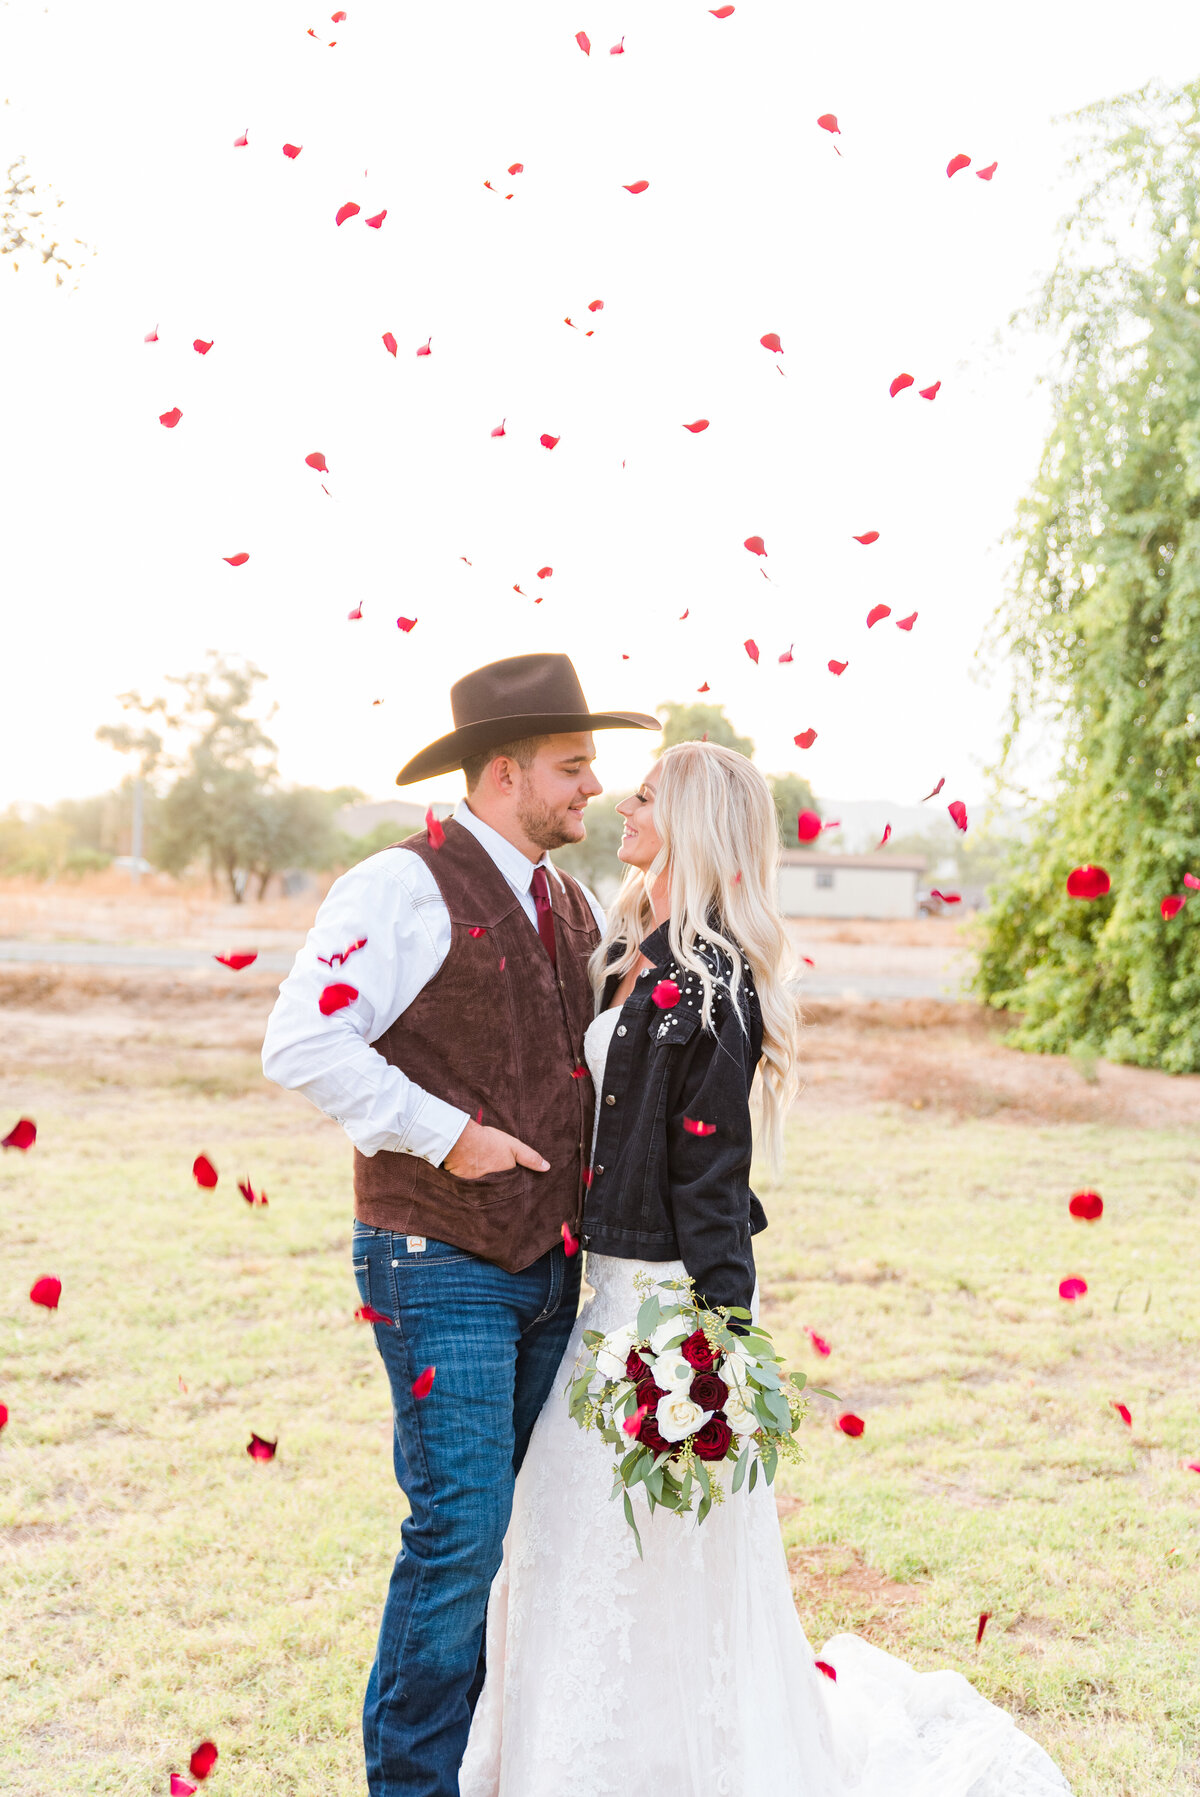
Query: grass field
x=160, y=1587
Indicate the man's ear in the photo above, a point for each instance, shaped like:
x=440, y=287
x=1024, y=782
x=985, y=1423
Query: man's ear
x=502, y=774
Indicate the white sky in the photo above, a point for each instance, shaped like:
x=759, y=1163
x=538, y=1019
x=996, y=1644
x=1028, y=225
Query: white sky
x=866, y=264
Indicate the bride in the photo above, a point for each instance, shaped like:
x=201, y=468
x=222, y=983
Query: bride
x=688, y=1672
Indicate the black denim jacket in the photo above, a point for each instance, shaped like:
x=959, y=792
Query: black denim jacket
x=659, y=1191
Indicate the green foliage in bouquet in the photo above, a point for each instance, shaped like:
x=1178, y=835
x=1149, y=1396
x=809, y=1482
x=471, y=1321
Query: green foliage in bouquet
x=679, y=1393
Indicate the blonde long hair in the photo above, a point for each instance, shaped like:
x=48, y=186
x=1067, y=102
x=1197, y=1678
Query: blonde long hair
x=715, y=815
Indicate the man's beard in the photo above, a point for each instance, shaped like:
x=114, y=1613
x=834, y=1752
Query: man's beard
x=544, y=827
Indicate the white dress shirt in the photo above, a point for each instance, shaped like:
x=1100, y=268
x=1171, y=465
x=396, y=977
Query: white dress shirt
x=393, y=900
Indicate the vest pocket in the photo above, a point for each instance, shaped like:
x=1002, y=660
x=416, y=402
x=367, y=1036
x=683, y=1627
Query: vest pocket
x=489, y=1188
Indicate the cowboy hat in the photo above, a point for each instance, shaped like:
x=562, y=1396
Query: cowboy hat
x=526, y=695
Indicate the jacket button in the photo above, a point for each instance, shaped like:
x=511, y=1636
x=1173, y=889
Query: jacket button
x=610, y=1099
x=620, y=1029
x=597, y=1171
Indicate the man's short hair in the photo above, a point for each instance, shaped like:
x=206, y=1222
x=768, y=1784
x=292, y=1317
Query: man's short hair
x=522, y=752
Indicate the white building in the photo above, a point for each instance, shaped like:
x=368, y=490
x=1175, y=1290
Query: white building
x=813, y=884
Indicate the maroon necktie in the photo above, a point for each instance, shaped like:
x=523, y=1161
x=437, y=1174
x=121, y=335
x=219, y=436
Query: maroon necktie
x=545, y=916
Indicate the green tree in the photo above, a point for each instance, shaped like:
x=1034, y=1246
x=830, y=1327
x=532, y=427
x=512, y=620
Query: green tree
x=690, y=723
x=1104, y=618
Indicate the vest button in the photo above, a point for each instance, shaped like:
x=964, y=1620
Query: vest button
x=610, y=1099
x=620, y=1029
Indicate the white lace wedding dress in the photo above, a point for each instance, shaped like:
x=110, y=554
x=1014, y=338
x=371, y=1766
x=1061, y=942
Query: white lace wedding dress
x=688, y=1673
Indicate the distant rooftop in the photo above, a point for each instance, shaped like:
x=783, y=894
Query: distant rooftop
x=831, y=858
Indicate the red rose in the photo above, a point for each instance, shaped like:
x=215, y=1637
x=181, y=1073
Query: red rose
x=697, y=1352
x=709, y=1391
x=712, y=1442
x=635, y=1367
x=650, y=1436
x=648, y=1393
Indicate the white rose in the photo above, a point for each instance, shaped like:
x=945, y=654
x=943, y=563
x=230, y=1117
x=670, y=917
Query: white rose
x=677, y=1415
x=668, y=1335
x=672, y=1372
x=735, y=1370
x=612, y=1353
x=739, y=1416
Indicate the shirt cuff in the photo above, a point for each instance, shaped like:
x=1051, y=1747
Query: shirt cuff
x=433, y=1129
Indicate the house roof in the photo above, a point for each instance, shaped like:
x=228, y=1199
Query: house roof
x=818, y=858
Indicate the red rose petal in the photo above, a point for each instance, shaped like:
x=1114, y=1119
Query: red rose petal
x=1088, y=882
x=956, y=163
x=46, y=1292
x=984, y=1618
x=958, y=812
x=751, y=648
x=849, y=1424
x=476, y=930
x=425, y=350
x=930, y=392
x=503, y=962
x=787, y=654
x=389, y=343
x=249, y=1194
x=887, y=830
x=1191, y=882
x=238, y=961
x=936, y=790
x=516, y=168
x=240, y=143
x=547, y=441
x=336, y=18
x=22, y=1135
x=204, y=1173
x=947, y=898
x=631, y=1424
x=580, y=1072
x=422, y=1385
x=694, y=1127
x=818, y=1341
x=826, y=1668
x=151, y=336
x=868, y=536
x=406, y=624
x=900, y=383
x=346, y=211
x=170, y=419
x=828, y=122
x=1123, y=1412
x=721, y=12
x=237, y=561
x=701, y=424
x=985, y=174
x=291, y=151
x=500, y=430
x=1087, y=1206
x=595, y=305
x=544, y=573
x=316, y=460
x=838, y=667
x=336, y=998
x=635, y=186
x=376, y=220
x=1173, y=904
x=906, y=623
x=180, y=1786
x=570, y=1242
x=367, y=1313
x=806, y=739
x=755, y=545
x=665, y=995
x=704, y=689
x=876, y=613
x=258, y=1448
x=352, y=617
x=437, y=835
x=832, y=823
x=808, y=826
x=618, y=49
x=205, y=1756
x=1070, y=1289
x=201, y=347
x=584, y=42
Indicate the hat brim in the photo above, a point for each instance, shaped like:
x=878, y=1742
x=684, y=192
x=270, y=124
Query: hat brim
x=449, y=752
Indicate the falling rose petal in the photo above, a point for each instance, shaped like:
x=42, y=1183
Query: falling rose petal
x=849, y=1424
x=751, y=648
x=618, y=49
x=547, y=441
x=787, y=654
x=170, y=419
x=665, y=995
x=985, y=174
x=580, y=1073
x=1123, y=1412
x=258, y=1448
x=907, y=623
x=635, y=186
x=808, y=960
x=316, y=460
x=1192, y=1466
x=837, y=667
x=1070, y=1289
x=46, y=1292
x=570, y=1242
x=828, y=122
x=237, y=561
x=755, y=545
x=826, y=1668
x=201, y=347
x=376, y=220
x=367, y=1313
x=771, y=342
x=425, y=350
x=887, y=830
x=808, y=826
x=336, y=18
x=695, y=1128
x=574, y=326
x=876, y=613
x=584, y=42
x=832, y=823
x=437, y=835
x=238, y=960
x=1173, y=904
x=356, y=616
x=956, y=163
x=1088, y=882
x=503, y=962
x=249, y=1194
x=936, y=790
x=930, y=392
x=500, y=430
x=806, y=739
x=900, y=383
x=422, y=1385
x=595, y=305
x=705, y=688
x=389, y=343
x=516, y=168
x=819, y=1343
x=22, y=1135
x=701, y=424
x=947, y=898
x=544, y=573
x=476, y=930
x=984, y=1618
x=180, y=1786
x=151, y=336
x=958, y=812
x=205, y=1756
x=721, y=12
x=1087, y=1206
x=336, y=998
x=868, y=536
x=1191, y=882
x=632, y=1424
x=686, y=612
x=204, y=1173
x=346, y=211
x=240, y=143
x=406, y=624
x=291, y=151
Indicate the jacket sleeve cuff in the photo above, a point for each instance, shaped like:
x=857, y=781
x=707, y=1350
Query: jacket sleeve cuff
x=433, y=1129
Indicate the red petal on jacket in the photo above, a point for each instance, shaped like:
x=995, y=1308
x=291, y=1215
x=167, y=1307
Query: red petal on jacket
x=238, y=960
x=1122, y=1411
x=837, y=667
x=787, y=654
x=503, y=962
x=868, y=536
x=808, y=826
x=336, y=998
x=201, y=347
x=876, y=613
x=205, y=1756
x=180, y=1786
x=665, y=995
x=204, y=1173
x=984, y=1618
x=755, y=545
x=376, y=219
x=704, y=689
x=849, y=1424
x=422, y=1385
x=635, y=186
x=907, y=623
x=291, y=151
x=900, y=383
x=425, y=350
x=958, y=812
x=694, y=1127
x=547, y=441
x=346, y=211
x=751, y=648
x=618, y=49
x=316, y=460
x=406, y=624
x=476, y=930
x=151, y=336
x=930, y=392
x=806, y=739
x=516, y=168
x=818, y=1341
x=701, y=424
x=584, y=42
x=985, y=174
x=390, y=344
x=237, y=561
x=1173, y=904
x=956, y=163
x=570, y=1242
x=170, y=419
x=46, y=1292
x=240, y=143
x=1191, y=882
x=258, y=1448
x=580, y=1072
x=887, y=830
x=500, y=430
x=367, y=1313
x=1088, y=882
x=437, y=835
x=936, y=790
x=1070, y=1289
x=1088, y=1206
x=947, y=898
x=828, y=122
x=595, y=305
x=22, y=1135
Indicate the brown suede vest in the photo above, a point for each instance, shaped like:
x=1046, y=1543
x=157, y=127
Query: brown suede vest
x=498, y=1029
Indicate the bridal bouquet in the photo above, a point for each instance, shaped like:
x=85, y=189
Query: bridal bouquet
x=678, y=1392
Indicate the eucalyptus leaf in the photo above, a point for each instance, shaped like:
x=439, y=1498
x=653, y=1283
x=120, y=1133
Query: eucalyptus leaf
x=633, y=1525
x=739, y=1471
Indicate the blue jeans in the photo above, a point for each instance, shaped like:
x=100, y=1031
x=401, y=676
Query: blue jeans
x=496, y=1340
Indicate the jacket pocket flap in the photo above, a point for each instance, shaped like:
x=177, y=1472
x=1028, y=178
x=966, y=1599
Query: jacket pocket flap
x=676, y=1025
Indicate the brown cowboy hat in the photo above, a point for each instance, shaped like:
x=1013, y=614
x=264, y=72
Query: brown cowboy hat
x=527, y=695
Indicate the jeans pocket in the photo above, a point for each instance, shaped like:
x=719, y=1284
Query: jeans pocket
x=362, y=1278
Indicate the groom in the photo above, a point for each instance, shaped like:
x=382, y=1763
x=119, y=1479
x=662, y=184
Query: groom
x=454, y=1066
